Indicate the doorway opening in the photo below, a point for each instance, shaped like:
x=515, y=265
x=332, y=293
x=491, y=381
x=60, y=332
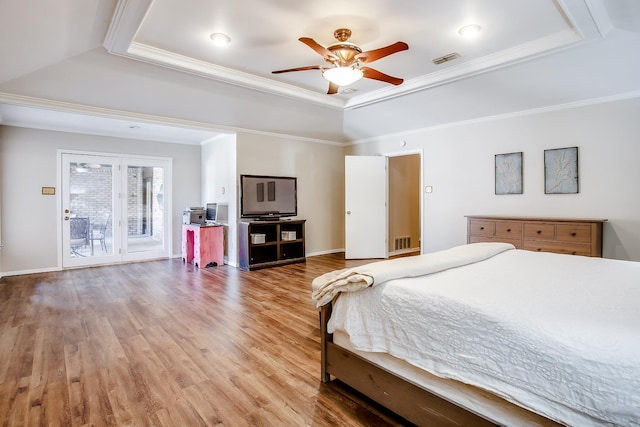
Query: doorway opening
x=405, y=201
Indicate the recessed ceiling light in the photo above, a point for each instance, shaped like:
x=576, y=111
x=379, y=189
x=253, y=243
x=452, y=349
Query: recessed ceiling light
x=220, y=39
x=470, y=31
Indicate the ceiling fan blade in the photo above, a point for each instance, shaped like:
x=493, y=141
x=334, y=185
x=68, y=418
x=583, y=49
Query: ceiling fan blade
x=374, y=55
x=323, y=51
x=333, y=89
x=370, y=73
x=310, y=67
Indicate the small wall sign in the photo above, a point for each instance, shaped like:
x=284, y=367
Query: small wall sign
x=48, y=191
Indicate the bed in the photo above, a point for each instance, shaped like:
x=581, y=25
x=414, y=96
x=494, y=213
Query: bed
x=485, y=334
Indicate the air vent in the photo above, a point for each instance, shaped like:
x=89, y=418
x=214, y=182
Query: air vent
x=446, y=58
x=402, y=243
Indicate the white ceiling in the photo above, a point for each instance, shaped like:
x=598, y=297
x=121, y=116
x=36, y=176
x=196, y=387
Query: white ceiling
x=177, y=34
x=264, y=37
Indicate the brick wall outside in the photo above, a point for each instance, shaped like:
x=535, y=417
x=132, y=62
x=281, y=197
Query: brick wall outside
x=90, y=195
x=134, y=200
x=158, y=213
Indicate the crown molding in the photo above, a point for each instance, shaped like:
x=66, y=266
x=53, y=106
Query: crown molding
x=175, y=61
x=126, y=20
x=130, y=15
x=88, y=110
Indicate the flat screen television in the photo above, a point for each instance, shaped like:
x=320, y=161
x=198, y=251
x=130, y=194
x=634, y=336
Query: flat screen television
x=268, y=197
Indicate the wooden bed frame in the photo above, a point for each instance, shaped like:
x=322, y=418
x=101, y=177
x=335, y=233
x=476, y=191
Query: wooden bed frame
x=412, y=402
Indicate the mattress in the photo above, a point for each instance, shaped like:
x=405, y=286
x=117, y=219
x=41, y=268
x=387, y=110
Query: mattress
x=555, y=334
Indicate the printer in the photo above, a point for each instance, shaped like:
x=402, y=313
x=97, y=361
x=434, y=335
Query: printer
x=194, y=215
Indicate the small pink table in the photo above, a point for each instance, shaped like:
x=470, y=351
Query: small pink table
x=202, y=244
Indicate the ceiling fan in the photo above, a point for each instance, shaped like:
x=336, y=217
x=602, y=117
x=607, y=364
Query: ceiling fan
x=346, y=61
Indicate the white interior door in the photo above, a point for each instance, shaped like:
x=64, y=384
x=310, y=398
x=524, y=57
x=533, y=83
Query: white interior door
x=366, y=216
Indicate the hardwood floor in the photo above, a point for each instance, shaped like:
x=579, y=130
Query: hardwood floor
x=163, y=343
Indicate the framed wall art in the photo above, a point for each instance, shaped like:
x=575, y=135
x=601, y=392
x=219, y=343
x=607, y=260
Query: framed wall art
x=561, y=171
x=508, y=173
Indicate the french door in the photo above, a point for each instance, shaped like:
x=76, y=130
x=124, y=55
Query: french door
x=113, y=209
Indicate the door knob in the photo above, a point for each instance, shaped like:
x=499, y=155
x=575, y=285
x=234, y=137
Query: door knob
x=348, y=212
x=66, y=218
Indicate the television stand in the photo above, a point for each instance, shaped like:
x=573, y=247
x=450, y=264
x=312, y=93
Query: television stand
x=270, y=243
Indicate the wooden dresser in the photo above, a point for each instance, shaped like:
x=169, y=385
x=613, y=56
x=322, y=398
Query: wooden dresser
x=559, y=235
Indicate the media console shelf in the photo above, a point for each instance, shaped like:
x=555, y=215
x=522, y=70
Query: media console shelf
x=283, y=243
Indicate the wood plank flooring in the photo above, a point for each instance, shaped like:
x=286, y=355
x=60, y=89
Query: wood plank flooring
x=163, y=343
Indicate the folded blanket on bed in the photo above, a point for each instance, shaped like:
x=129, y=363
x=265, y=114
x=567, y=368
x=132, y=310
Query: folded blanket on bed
x=326, y=287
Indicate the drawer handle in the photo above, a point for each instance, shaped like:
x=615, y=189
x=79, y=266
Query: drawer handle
x=539, y=231
x=508, y=230
x=573, y=234
x=539, y=249
x=481, y=228
x=573, y=252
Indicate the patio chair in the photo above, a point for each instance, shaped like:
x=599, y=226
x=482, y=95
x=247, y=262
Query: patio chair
x=79, y=234
x=99, y=232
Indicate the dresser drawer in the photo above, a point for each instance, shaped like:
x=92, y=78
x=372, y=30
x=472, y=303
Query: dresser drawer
x=482, y=228
x=560, y=235
x=558, y=247
x=509, y=230
x=573, y=233
x=540, y=231
x=478, y=239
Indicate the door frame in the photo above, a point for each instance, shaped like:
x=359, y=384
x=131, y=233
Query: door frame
x=419, y=152
x=124, y=161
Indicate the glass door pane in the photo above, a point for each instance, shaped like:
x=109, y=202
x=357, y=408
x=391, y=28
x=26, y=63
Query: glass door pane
x=88, y=184
x=147, y=224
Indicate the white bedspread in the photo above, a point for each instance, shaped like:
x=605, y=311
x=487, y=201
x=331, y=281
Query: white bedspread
x=326, y=287
x=557, y=334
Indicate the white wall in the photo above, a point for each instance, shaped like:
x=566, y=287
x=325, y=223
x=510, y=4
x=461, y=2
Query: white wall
x=219, y=185
x=459, y=164
x=29, y=162
x=320, y=172
x=1, y=186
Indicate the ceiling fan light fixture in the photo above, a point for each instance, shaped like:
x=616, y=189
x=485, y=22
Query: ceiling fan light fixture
x=470, y=31
x=342, y=76
x=220, y=39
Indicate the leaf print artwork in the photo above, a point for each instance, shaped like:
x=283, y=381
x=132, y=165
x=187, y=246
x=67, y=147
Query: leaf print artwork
x=561, y=171
x=509, y=173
